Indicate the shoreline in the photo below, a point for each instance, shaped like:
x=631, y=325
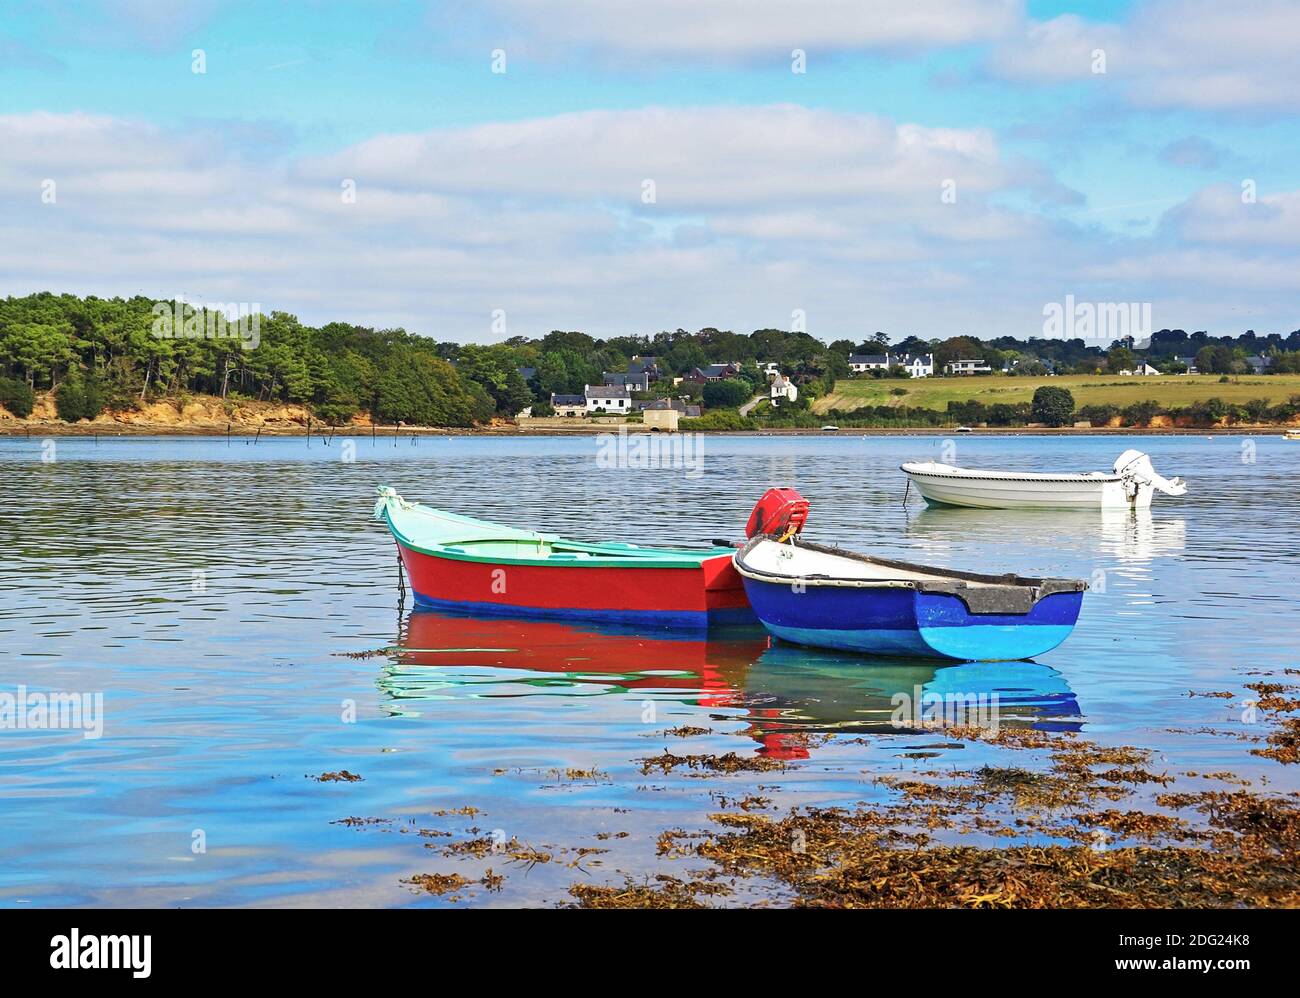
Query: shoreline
x=42, y=430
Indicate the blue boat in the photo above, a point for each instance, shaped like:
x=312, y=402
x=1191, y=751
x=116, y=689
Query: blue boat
x=824, y=597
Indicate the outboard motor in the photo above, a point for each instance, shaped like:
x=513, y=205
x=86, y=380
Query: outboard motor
x=1136, y=467
x=781, y=513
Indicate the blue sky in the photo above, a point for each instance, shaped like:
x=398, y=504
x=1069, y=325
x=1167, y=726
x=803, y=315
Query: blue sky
x=777, y=194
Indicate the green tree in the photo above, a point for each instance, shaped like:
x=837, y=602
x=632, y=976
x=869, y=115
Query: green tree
x=1120, y=359
x=77, y=398
x=1214, y=359
x=956, y=348
x=417, y=387
x=1053, y=406
x=17, y=397
x=726, y=394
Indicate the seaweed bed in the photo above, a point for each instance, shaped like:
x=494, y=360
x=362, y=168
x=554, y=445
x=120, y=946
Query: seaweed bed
x=1098, y=828
x=1204, y=849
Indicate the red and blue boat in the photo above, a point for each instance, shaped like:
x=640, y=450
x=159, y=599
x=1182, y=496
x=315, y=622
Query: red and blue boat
x=460, y=564
x=825, y=597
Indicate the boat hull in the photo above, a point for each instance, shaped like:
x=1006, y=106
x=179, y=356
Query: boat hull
x=992, y=492
x=903, y=621
x=708, y=594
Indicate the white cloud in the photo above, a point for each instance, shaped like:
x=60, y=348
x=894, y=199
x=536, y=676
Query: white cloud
x=1057, y=50
x=1199, y=54
x=1218, y=215
x=731, y=29
x=697, y=158
x=760, y=210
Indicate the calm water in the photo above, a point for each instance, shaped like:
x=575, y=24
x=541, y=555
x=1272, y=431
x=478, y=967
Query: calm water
x=215, y=595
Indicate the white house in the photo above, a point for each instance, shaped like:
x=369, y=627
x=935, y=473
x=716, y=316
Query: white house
x=611, y=398
x=783, y=388
x=1145, y=370
x=859, y=362
x=968, y=367
x=920, y=366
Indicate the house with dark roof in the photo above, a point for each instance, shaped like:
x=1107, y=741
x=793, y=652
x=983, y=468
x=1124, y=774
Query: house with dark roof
x=649, y=366
x=859, y=362
x=569, y=405
x=677, y=405
x=712, y=372
x=920, y=366
x=1189, y=363
x=1259, y=364
x=608, y=398
x=633, y=382
x=527, y=373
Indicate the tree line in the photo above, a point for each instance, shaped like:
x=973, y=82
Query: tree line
x=97, y=353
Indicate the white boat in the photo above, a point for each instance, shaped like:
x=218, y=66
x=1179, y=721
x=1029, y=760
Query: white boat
x=1291, y=435
x=1131, y=483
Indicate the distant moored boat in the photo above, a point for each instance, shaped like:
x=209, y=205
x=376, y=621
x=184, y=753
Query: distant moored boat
x=1131, y=484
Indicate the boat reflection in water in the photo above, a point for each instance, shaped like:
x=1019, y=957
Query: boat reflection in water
x=1128, y=536
x=792, y=689
x=788, y=695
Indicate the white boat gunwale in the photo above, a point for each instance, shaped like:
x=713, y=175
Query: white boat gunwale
x=982, y=594
x=980, y=475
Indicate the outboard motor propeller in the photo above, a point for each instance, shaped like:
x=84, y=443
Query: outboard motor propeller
x=780, y=513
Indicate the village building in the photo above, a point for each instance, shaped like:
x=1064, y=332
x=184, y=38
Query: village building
x=1259, y=364
x=680, y=406
x=712, y=372
x=607, y=398
x=860, y=362
x=569, y=405
x=965, y=366
x=649, y=366
x=633, y=382
x=920, y=366
x=782, y=389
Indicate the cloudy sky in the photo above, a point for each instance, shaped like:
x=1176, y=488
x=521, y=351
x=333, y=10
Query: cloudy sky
x=938, y=167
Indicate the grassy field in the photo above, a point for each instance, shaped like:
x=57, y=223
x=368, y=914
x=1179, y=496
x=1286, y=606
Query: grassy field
x=1168, y=390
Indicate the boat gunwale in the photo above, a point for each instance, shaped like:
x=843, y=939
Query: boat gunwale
x=604, y=557
x=947, y=581
x=985, y=475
